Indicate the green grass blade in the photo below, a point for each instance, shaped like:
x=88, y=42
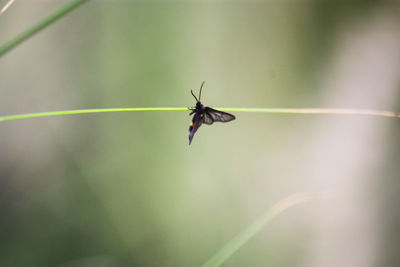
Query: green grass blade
x=229, y=249
x=57, y=14
x=83, y=111
x=256, y=110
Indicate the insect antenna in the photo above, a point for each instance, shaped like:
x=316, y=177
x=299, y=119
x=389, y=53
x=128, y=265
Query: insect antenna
x=194, y=96
x=201, y=87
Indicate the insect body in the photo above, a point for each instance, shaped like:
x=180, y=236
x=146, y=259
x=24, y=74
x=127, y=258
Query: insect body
x=206, y=115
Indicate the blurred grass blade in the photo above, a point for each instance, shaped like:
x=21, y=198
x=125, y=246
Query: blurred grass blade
x=57, y=14
x=229, y=249
x=9, y=3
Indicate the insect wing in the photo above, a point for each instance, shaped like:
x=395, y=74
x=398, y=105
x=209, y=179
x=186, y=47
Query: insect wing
x=194, y=125
x=207, y=119
x=211, y=115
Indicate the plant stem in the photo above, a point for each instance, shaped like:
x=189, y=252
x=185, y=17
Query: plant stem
x=57, y=14
x=256, y=110
x=331, y=111
x=238, y=241
x=83, y=111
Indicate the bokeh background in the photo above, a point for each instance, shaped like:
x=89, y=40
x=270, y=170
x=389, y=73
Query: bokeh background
x=125, y=189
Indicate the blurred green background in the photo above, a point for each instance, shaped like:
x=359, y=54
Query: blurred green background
x=125, y=189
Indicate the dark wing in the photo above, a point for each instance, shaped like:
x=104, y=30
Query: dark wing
x=194, y=125
x=211, y=115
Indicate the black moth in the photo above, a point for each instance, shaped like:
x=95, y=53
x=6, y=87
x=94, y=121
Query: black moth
x=207, y=115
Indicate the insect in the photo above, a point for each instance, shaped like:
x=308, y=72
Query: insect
x=206, y=115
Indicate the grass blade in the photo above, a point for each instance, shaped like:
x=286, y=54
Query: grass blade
x=57, y=14
x=380, y=113
x=229, y=249
x=331, y=111
x=83, y=111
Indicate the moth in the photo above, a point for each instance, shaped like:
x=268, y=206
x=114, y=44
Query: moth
x=206, y=115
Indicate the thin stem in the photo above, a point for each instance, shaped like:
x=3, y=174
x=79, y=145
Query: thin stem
x=251, y=230
x=256, y=110
x=331, y=111
x=57, y=14
x=83, y=111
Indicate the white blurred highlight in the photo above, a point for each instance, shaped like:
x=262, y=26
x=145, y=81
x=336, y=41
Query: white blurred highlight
x=367, y=58
x=6, y=7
